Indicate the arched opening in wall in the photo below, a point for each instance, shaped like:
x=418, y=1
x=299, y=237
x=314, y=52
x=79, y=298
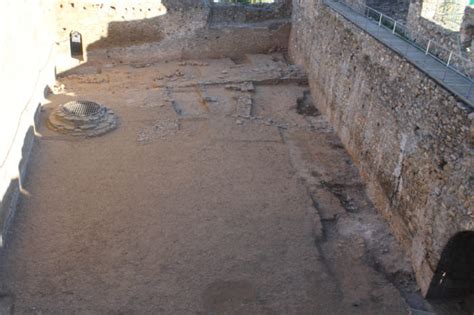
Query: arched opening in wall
x=454, y=277
x=75, y=42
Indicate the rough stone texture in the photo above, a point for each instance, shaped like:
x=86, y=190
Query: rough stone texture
x=132, y=31
x=411, y=140
x=446, y=24
x=241, y=13
x=212, y=41
x=467, y=29
x=397, y=9
x=420, y=24
x=99, y=121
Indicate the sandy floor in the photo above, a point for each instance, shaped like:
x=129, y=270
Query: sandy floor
x=215, y=195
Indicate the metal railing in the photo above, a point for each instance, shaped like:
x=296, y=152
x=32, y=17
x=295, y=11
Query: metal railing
x=449, y=58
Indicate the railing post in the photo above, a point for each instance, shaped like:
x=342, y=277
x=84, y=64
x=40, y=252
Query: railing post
x=449, y=58
x=469, y=92
x=445, y=73
x=366, y=22
x=460, y=66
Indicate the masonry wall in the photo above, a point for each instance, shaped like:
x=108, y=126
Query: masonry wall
x=397, y=9
x=27, y=53
x=429, y=29
x=114, y=24
x=118, y=31
x=411, y=139
x=241, y=13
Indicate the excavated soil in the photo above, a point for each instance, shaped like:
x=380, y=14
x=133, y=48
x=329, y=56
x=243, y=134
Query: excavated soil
x=222, y=191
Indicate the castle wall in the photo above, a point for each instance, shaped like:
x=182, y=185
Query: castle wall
x=411, y=139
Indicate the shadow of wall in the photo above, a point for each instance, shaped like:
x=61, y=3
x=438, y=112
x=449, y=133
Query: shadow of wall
x=396, y=9
x=182, y=30
x=176, y=19
x=244, y=13
x=13, y=194
x=454, y=276
x=123, y=34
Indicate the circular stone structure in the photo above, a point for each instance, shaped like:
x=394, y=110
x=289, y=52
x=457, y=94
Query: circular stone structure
x=82, y=118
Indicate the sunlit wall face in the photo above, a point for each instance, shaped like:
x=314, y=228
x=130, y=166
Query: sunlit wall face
x=26, y=51
x=445, y=13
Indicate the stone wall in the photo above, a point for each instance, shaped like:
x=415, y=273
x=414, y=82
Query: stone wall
x=429, y=29
x=233, y=41
x=118, y=31
x=116, y=24
x=397, y=9
x=421, y=20
x=27, y=67
x=467, y=30
x=411, y=139
x=242, y=13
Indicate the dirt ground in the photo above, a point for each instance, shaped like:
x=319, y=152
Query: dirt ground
x=222, y=191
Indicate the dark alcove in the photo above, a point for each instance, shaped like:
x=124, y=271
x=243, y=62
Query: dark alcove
x=454, y=275
x=75, y=41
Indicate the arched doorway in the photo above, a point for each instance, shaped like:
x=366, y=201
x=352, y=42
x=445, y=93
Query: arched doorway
x=454, y=276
